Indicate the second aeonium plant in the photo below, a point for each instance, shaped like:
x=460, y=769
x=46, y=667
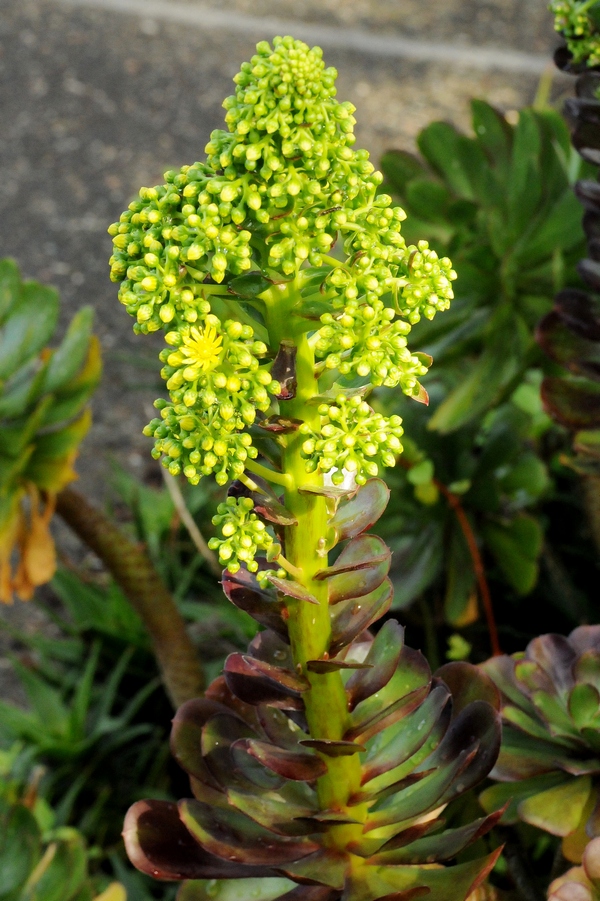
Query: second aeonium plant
x=322, y=759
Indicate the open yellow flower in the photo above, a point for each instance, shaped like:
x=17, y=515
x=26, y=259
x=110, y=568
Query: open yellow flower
x=202, y=348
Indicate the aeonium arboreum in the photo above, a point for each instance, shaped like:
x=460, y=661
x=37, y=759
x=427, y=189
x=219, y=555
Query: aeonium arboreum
x=549, y=765
x=321, y=761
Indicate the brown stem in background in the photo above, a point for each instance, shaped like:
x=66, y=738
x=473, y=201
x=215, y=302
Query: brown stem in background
x=134, y=573
x=591, y=493
x=476, y=559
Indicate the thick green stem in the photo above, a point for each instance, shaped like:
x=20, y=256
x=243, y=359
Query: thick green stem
x=309, y=625
x=134, y=573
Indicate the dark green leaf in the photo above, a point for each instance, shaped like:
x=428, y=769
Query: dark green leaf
x=68, y=359
x=29, y=327
x=516, y=547
x=10, y=284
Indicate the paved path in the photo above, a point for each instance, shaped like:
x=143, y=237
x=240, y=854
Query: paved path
x=100, y=96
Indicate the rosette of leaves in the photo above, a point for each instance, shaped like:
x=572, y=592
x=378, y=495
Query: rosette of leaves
x=580, y=883
x=500, y=203
x=291, y=813
x=549, y=764
x=44, y=416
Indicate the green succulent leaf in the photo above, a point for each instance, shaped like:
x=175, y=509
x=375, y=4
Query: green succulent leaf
x=517, y=547
x=559, y=809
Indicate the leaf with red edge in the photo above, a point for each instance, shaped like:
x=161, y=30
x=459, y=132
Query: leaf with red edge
x=353, y=616
x=466, y=754
x=283, y=370
x=556, y=657
x=442, y=846
x=589, y=270
x=310, y=893
x=361, y=511
x=573, y=402
x=219, y=733
x=279, y=727
x=421, y=396
x=279, y=425
x=266, y=503
x=243, y=590
x=412, y=893
x=257, y=682
x=578, y=354
x=271, y=648
x=286, y=763
x=186, y=737
x=328, y=491
x=468, y=683
x=417, y=794
x=331, y=748
x=402, y=743
x=443, y=884
x=326, y=866
x=158, y=844
x=411, y=673
x=236, y=838
x=579, y=311
x=383, y=657
x=387, y=715
x=293, y=590
x=333, y=666
x=275, y=812
x=361, y=568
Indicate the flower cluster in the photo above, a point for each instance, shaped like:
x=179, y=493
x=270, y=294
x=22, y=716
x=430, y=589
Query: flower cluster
x=216, y=385
x=277, y=191
x=352, y=437
x=574, y=19
x=365, y=341
x=361, y=336
x=244, y=534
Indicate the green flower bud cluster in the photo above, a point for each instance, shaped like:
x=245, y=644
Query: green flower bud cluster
x=352, y=437
x=244, y=535
x=279, y=188
x=360, y=336
x=216, y=386
x=199, y=444
x=579, y=23
x=364, y=341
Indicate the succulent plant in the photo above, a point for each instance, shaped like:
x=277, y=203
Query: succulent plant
x=43, y=418
x=580, y=883
x=321, y=763
x=500, y=203
x=579, y=23
x=322, y=759
x=549, y=763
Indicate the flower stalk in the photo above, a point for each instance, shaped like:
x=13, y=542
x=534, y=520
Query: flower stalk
x=294, y=750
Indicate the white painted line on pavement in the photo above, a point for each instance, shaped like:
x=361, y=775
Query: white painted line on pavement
x=193, y=15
